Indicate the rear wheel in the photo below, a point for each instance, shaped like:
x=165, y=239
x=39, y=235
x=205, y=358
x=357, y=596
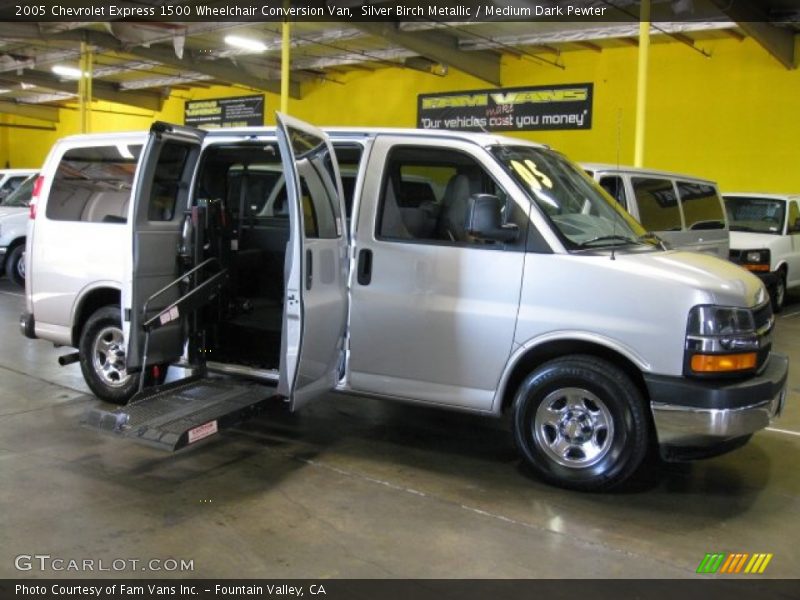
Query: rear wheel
x=102, y=354
x=15, y=265
x=580, y=423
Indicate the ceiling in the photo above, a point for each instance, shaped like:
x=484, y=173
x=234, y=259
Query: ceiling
x=139, y=64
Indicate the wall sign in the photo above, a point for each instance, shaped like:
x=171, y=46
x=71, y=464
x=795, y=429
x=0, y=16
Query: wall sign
x=241, y=111
x=508, y=109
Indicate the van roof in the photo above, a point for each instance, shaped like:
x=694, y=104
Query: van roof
x=606, y=167
x=757, y=195
x=480, y=138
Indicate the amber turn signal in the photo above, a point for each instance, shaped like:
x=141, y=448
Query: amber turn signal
x=756, y=267
x=718, y=363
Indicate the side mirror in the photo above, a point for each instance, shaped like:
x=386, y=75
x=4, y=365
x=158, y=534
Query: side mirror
x=795, y=227
x=485, y=219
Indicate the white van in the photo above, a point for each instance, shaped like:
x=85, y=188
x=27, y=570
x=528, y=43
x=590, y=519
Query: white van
x=765, y=239
x=684, y=211
x=479, y=273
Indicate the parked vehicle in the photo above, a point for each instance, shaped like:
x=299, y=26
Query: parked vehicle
x=13, y=227
x=75, y=253
x=686, y=212
x=479, y=273
x=765, y=239
x=10, y=180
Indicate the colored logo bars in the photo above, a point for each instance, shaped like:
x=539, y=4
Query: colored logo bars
x=735, y=562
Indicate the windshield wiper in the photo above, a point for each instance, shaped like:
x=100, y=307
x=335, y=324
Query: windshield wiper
x=609, y=238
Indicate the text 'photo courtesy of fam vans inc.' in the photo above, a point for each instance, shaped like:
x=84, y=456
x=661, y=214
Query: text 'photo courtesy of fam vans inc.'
x=467, y=271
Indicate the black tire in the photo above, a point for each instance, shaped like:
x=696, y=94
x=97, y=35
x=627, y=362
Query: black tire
x=778, y=292
x=15, y=265
x=568, y=409
x=102, y=355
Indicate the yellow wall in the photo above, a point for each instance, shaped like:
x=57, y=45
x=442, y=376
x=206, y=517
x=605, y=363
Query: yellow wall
x=732, y=117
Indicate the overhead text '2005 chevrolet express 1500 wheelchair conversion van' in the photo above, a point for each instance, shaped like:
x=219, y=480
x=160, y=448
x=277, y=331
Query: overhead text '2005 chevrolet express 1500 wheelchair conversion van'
x=463, y=271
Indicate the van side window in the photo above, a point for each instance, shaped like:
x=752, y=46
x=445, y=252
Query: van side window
x=93, y=184
x=425, y=194
x=318, y=198
x=349, y=158
x=615, y=188
x=658, y=205
x=702, y=206
x=167, y=181
x=794, y=218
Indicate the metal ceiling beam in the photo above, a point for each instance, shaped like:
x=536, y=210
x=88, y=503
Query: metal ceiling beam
x=101, y=90
x=439, y=48
x=215, y=68
x=754, y=21
x=40, y=113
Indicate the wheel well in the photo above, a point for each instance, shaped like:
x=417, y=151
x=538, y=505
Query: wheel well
x=91, y=302
x=548, y=351
x=17, y=242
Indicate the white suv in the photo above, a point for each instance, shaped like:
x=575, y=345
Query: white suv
x=765, y=239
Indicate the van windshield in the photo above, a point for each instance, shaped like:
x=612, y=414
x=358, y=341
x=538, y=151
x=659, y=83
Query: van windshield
x=761, y=215
x=22, y=195
x=581, y=211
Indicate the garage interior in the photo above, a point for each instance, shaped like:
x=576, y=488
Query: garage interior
x=356, y=488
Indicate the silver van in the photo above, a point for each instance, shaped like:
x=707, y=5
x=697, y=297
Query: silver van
x=477, y=273
x=686, y=212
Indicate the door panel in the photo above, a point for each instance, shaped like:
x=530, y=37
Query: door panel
x=160, y=197
x=312, y=344
x=432, y=318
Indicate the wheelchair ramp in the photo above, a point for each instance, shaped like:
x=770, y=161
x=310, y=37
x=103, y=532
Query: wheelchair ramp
x=177, y=415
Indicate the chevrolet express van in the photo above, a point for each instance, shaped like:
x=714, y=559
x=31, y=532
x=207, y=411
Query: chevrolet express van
x=684, y=211
x=478, y=273
x=765, y=239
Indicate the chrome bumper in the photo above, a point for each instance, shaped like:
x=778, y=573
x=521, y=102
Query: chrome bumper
x=678, y=425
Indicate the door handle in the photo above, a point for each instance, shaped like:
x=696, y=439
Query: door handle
x=309, y=269
x=364, y=272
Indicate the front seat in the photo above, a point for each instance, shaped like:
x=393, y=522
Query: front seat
x=454, y=209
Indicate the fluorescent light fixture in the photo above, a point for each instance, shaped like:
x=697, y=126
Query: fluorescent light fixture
x=4, y=91
x=245, y=43
x=65, y=71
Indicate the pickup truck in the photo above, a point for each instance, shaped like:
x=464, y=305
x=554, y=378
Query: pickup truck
x=463, y=271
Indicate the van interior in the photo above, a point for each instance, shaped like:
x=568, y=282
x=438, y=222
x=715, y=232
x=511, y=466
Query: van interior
x=247, y=230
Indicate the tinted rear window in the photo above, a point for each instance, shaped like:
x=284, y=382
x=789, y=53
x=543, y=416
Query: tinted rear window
x=702, y=206
x=658, y=205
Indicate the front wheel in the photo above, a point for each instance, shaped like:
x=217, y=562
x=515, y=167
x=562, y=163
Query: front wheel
x=778, y=295
x=15, y=265
x=580, y=423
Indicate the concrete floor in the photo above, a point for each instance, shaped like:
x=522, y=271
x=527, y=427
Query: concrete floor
x=357, y=488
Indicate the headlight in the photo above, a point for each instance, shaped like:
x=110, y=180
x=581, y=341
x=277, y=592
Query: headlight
x=755, y=260
x=721, y=339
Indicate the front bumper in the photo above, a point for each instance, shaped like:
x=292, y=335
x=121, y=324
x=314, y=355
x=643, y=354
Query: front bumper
x=696, y=414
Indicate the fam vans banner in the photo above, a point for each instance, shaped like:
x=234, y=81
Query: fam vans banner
x=508, y=109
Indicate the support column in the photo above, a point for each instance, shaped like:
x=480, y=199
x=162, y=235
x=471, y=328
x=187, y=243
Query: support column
x=85, y=88
x=285, y=71
x=641, y=83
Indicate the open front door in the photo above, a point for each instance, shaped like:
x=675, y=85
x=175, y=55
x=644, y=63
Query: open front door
x=315, y=272
x=160, y=196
